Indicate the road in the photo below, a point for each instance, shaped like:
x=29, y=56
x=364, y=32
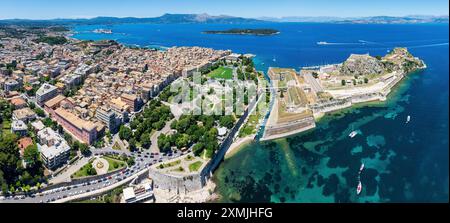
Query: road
x=154, y=138
x=143, y=160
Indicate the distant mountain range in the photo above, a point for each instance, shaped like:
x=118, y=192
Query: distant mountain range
x=412, y=19
x=164, y=19
x=224, y=19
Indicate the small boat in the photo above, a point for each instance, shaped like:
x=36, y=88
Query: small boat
x=359, y=188
x=361, y=168
x=353, y=134
x=322, y=43
x=274, y=60
x=408, y=119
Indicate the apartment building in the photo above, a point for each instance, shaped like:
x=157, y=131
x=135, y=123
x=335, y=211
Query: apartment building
x=53, y=148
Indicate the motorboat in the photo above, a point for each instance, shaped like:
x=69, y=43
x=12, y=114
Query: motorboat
x=361, y=168
x=353, y=134
x=359, y=188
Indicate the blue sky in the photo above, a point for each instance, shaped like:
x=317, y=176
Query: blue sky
x=45, y=9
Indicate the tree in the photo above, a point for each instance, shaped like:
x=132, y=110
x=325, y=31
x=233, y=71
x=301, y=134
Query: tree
x=75, y=146
x=91, y=170
x=145, y=140
x=198, y=149
x=164, y=143
x=60, y=129
x=315, y=75
x=32, y=105
x=227, y=121
x=10, y=165
x=366, y=80
x=125, y=133
x=39, y=112
x=132, y=144
x=84, y=149
x=182, y=141
x=31, y=155
x=343, y=82
x=130, y=161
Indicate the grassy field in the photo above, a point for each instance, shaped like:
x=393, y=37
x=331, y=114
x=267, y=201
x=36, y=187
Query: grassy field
x=221, y=73
x=195, y=166
x=284, y=116
x=114, y=164
x=6, y=127
x=166, y=165
x=297, y=96
x=82, y=172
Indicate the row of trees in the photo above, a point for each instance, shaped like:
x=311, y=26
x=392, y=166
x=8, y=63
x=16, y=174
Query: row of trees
x=197, y=130
x=13, y=176
x=153, y=117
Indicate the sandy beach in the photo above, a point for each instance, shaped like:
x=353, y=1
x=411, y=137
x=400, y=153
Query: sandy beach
x=239, y=144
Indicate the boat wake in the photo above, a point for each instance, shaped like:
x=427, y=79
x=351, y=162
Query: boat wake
x=360, y=42
x=429, y=45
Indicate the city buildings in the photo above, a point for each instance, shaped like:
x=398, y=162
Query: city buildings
x=137, y=194
x=24, y=143
x=132, y=101
x=53, y=148
x=45, y=93
x=11, y=85
x=19, y=127
x=24, y=114
x=84, y=131
x=18, y=103
x=108, y=117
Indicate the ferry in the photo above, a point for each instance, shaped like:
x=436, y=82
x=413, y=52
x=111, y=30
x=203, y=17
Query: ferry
x=353, y=134
x=408, y=119
x=359, y=188
x=103, y=31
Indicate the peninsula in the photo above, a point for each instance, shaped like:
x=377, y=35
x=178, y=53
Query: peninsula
x=257, y=32
x=303, y=97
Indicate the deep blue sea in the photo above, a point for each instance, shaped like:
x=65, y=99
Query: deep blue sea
x=404, y=162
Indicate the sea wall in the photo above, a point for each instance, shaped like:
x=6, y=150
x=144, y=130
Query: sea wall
x=287, y=129
x=176, y=183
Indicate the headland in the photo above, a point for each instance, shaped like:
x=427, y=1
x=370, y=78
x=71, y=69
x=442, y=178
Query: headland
x=303, y=97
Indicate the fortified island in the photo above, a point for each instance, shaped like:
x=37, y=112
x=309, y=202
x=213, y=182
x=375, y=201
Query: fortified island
x=301, y=98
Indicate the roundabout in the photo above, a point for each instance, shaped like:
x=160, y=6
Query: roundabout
x=101, y=166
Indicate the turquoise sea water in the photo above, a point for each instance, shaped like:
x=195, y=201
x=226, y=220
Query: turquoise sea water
x=404, y=162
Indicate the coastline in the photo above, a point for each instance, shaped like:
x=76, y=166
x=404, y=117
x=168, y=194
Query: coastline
x=353, y=101
x=238, y=145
